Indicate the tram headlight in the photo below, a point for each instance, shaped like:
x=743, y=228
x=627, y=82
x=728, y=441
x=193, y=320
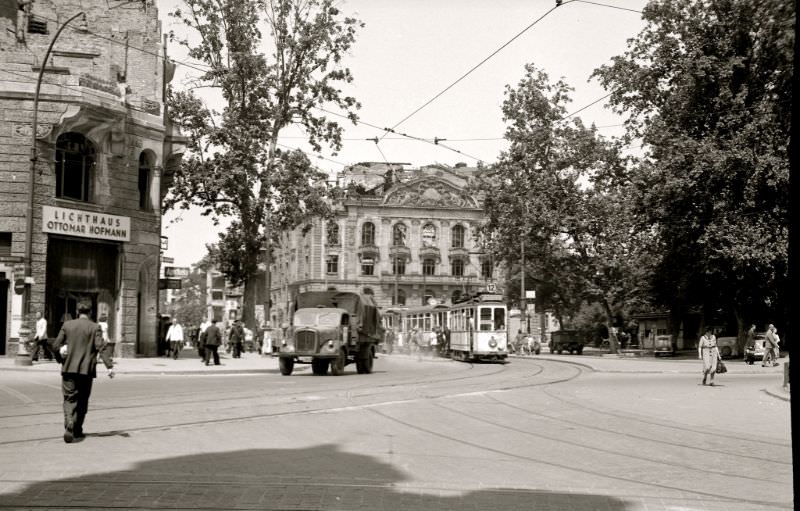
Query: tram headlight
x=492, y=342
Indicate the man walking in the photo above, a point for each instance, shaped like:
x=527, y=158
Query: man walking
x=770, y=344
x=175, y=338
x=201, y=339
x=41, y=339
x=213, y=340
x=236, y=338
x=78, y=343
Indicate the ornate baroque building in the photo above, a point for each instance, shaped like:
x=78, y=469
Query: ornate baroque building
x=103, y=155
x=406, y=236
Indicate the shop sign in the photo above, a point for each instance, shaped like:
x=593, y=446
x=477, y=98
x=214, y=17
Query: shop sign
x=85, y=224
x=175, y=271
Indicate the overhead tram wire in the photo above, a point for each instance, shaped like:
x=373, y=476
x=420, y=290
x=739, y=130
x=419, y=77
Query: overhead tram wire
x=476, y=66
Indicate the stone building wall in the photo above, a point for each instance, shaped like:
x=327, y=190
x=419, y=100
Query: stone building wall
x=105, y=83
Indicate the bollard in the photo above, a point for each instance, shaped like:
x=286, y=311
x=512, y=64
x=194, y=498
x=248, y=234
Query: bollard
x=786, y=376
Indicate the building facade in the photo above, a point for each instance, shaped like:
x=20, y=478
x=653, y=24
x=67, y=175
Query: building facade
x=405, y=236
x=103, y=155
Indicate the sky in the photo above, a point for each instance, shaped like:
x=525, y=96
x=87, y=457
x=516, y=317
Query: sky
x=411, y=50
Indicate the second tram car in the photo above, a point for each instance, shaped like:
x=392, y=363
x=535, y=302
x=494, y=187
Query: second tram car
x=425, y=319
x=478, y=328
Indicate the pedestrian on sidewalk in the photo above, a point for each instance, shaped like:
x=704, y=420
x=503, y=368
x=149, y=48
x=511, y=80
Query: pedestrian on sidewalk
x=77, y=346
x=213, y=340
x=201, y=339
x=175, y=338
x=770, y=344
x=108, y=346
x=236, y=338
x=40, y=339
x=708, y=352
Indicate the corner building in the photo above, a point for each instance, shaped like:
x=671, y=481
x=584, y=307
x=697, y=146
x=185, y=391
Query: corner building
x=405, y=236
x=104, y=153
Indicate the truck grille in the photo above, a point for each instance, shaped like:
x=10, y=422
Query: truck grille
x=306, y=341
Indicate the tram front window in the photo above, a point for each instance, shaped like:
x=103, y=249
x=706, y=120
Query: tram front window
x=499, y=318
x=486, y=323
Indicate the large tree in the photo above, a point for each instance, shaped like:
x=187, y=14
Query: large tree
x=560, y=190
x=236, y=168
x=707, y=86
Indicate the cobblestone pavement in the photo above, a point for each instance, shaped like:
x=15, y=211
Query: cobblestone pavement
x=537, y=433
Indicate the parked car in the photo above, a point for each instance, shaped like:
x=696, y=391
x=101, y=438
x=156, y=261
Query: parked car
x=662, y=345
x=755, y=352
x=727, y=347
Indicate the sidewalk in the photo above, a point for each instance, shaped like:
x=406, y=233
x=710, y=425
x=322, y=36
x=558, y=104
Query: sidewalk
x=187, y=363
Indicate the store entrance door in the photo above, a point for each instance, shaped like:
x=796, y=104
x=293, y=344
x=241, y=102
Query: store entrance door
x=66, y=306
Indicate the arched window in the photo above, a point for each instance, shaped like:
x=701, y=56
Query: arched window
x=368, y=291
x=75, y=162
x=457, y=236
x=456, y=296
x=333, y=234
x=427, y=295
x=429, y=235
x=457, y=267
x=428, y=266
x=144, y=182
x=399, y=235
x=400, y=298
x=368, y=234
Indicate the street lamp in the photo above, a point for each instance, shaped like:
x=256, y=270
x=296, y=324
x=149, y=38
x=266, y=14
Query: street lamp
x=23, y=357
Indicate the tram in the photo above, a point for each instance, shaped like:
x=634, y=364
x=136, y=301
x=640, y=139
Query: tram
x=478, y=328
x=425, y=319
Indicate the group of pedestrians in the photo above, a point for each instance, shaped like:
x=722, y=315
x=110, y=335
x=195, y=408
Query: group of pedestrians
x=708, y=351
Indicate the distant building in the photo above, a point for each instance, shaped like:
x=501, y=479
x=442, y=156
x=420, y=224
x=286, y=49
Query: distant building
x=104, y=156
x=405, y=236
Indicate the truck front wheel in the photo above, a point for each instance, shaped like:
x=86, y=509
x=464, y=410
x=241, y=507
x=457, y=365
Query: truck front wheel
x=364, y=360
x=338, y=363
x=286, y=365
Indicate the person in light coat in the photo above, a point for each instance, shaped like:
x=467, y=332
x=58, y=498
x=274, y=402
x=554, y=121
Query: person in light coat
x=175, y=338
x=708, y=352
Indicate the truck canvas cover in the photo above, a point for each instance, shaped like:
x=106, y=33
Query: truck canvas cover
x=361, y=305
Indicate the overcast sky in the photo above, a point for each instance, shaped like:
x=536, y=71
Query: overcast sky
x=411, y=50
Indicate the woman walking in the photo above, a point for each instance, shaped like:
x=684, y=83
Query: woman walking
x=708, y=352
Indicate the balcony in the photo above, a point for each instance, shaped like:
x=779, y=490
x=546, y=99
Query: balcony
x=459, y=252
x=430, y=252
x=401, y=251
x=369, y=251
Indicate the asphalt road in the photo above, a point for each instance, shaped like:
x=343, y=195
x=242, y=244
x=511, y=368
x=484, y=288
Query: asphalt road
x=530, y=434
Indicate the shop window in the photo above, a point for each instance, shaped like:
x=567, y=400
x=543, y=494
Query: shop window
x=428, y=235
x=457, y=237
x=399, y=298
x=332, y=264
x=368, y=266
x=332, y=234
x=486, y=269
x=145, y=179
x=368, y=234
x=75, y=163
x=5, y=244
x=457, y=268
x=429, y=267
x=399, y=235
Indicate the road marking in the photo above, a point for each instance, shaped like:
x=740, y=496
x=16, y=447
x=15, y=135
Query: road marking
x=17, y=394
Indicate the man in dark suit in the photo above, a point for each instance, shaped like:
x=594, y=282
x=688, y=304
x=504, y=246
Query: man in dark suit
x=76, y=348
x=213, y=340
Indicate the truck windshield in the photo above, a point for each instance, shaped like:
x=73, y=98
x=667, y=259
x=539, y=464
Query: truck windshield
x=316, y=318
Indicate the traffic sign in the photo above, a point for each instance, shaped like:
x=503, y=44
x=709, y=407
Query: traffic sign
x=164, y=243
x=19, y=286
x=169, y=283
x=167, y=260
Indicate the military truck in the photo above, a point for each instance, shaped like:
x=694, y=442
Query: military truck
x=331, y=329
x=569, y=340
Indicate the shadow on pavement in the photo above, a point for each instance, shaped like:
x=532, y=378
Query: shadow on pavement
x=317, y=478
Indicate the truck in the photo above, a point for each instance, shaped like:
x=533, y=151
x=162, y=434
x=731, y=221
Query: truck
x=569, y=340
x=331, y=329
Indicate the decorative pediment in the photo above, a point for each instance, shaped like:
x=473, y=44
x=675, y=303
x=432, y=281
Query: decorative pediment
x=429, y=193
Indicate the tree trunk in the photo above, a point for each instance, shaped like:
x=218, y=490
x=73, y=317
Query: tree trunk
x=613, y=344
x=741, y=329
x=249, y=303
x=675, y=319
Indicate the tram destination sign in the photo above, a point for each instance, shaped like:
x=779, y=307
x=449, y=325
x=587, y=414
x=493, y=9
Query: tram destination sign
x=85, y=224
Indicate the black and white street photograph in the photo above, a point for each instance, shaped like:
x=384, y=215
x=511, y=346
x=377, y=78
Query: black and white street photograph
x=362, y=255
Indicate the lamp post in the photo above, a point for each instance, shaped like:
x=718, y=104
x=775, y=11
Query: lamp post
x=23, y=357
